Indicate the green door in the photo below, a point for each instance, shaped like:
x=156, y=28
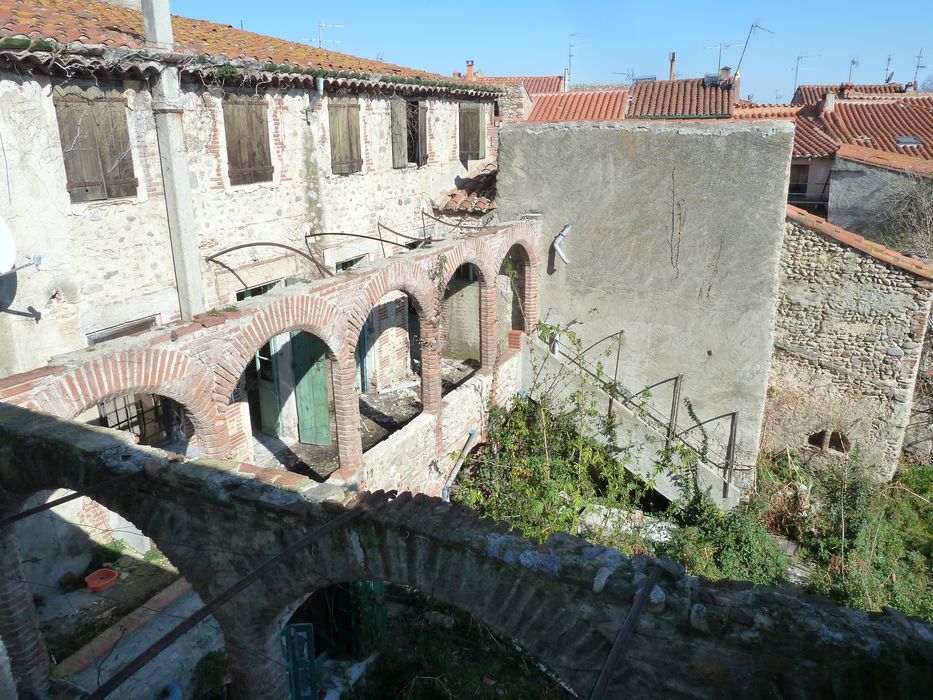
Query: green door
x=310, y=365
x=298, y=650
x=362, y=364
x=267, y=381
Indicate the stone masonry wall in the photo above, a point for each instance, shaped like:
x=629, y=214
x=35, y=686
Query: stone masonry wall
x=848, y=340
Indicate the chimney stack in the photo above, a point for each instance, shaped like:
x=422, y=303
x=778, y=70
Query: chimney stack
x=469, y=72
x=672, y=57
x=566, y=79
x=829, y=102
x=725, y=74
x=157, y=24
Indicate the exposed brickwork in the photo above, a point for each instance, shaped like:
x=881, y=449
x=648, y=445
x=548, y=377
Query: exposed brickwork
x=562, y=602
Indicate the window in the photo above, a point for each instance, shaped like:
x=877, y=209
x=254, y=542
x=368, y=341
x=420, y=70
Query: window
x=246, y=127
x=409, y=133
x=95, y=143
x=797, y=191
x=472, y=132
x=349, y=263
x=344, y=117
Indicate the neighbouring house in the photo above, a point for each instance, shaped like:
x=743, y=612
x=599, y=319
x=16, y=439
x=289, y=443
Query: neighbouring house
x=213, y=166
x=710, y=97
x=812, y=94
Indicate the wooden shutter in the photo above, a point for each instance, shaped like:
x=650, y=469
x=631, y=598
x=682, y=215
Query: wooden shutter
x=247, y=131
x=422, y=133
x=344, y=118
x=95, y=145
x=469, y=132
x=399, y=133
x=480, y=131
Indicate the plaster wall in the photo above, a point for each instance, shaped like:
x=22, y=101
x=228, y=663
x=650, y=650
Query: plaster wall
x=817, y=178
x=676, y=240
x=857, y=195
x=848, y=340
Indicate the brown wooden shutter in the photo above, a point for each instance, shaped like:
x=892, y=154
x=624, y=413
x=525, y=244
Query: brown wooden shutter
x=344, y=118
x=95, y=144
x=469, y=132
x=399, y=133
x=480, y=131
x=247, y=131
x=422, y=133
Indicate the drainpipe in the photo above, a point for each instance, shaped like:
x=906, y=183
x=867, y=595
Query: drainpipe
x=167, y=108
x=471, y=439
x=557, y=241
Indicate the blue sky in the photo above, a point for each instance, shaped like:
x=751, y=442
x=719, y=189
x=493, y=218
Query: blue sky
x=612, y=38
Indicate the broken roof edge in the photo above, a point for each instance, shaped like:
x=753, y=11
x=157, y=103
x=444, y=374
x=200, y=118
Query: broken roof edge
x=874, y=250
x=897, y=162
x=50, y=57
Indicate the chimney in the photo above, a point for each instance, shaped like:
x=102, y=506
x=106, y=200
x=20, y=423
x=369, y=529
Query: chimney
x=469, y=72
x=725, y=74
x=157, y=24
x=566, y=79
x=672, y=57
x=829, y=102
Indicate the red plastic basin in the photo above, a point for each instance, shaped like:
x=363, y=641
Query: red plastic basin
x=101, y=580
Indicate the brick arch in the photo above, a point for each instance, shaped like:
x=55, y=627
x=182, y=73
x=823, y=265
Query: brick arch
x=531, y=276
x=163, y=372
x=479, y=254
x=294, y=312
x=400, y=277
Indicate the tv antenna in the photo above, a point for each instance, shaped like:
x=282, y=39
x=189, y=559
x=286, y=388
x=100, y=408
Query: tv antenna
x=629, y=75
x=853, y=63
x=797, y=67
x=919, y=66
x=720, y=46
x=570, y=55
x=751, y=29
x=324, y=26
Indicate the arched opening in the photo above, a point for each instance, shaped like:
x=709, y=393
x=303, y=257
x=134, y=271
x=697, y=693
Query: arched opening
x=460, y=335
x=155, y=420
x=370, y=639
x=92, y=625
x=388, y=367
x=510, y=293
x=284, y=399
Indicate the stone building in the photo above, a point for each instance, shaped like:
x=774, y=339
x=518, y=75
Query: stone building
x=274, y=161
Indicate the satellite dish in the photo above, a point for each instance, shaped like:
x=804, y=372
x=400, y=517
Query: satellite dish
x=889, y=78
x=7, y=248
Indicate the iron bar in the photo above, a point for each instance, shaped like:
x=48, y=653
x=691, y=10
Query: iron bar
x=702, y=423
x=364, y=505
x=307, y=256
x=454, y=226
x=675, y=407
x=624, y=635
x=380, y=225
x=64, y=499
x=730, y=454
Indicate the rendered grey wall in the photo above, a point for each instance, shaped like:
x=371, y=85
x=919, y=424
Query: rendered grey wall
x=857, y=194
x=676, y=239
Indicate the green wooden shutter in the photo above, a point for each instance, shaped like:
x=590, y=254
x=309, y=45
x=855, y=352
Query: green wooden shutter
x=399, y=133
x=422, y=133
x=247, y=131
x=344, y=119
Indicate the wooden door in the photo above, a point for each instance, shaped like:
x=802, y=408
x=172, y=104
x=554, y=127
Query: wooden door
x=311, y=368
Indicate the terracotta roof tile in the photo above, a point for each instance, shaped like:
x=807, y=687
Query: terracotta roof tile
x=883, y=159
x=534, y=85
x=475, y=193
x=680, y=98
x=811, y=140
x=811, y=94
x=878, y=124
x=597, y=106
x=101, y=23
x=919, y=268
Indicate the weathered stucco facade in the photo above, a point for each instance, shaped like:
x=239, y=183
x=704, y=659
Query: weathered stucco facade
x=107, y=263
x=683, y=258
x=850, y=332
x=860, y=194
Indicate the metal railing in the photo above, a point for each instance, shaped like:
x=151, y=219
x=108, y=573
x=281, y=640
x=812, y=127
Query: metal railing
x=667, y=424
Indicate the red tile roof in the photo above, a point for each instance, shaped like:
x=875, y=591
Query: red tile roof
x=534, y=85
x=475, y=193
x=101, y=23
x=852, y=240
x=810, y=139
x=878, y=124
x=883, y=159
x=811, y=94
x=596, y=106
x=680, y=98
